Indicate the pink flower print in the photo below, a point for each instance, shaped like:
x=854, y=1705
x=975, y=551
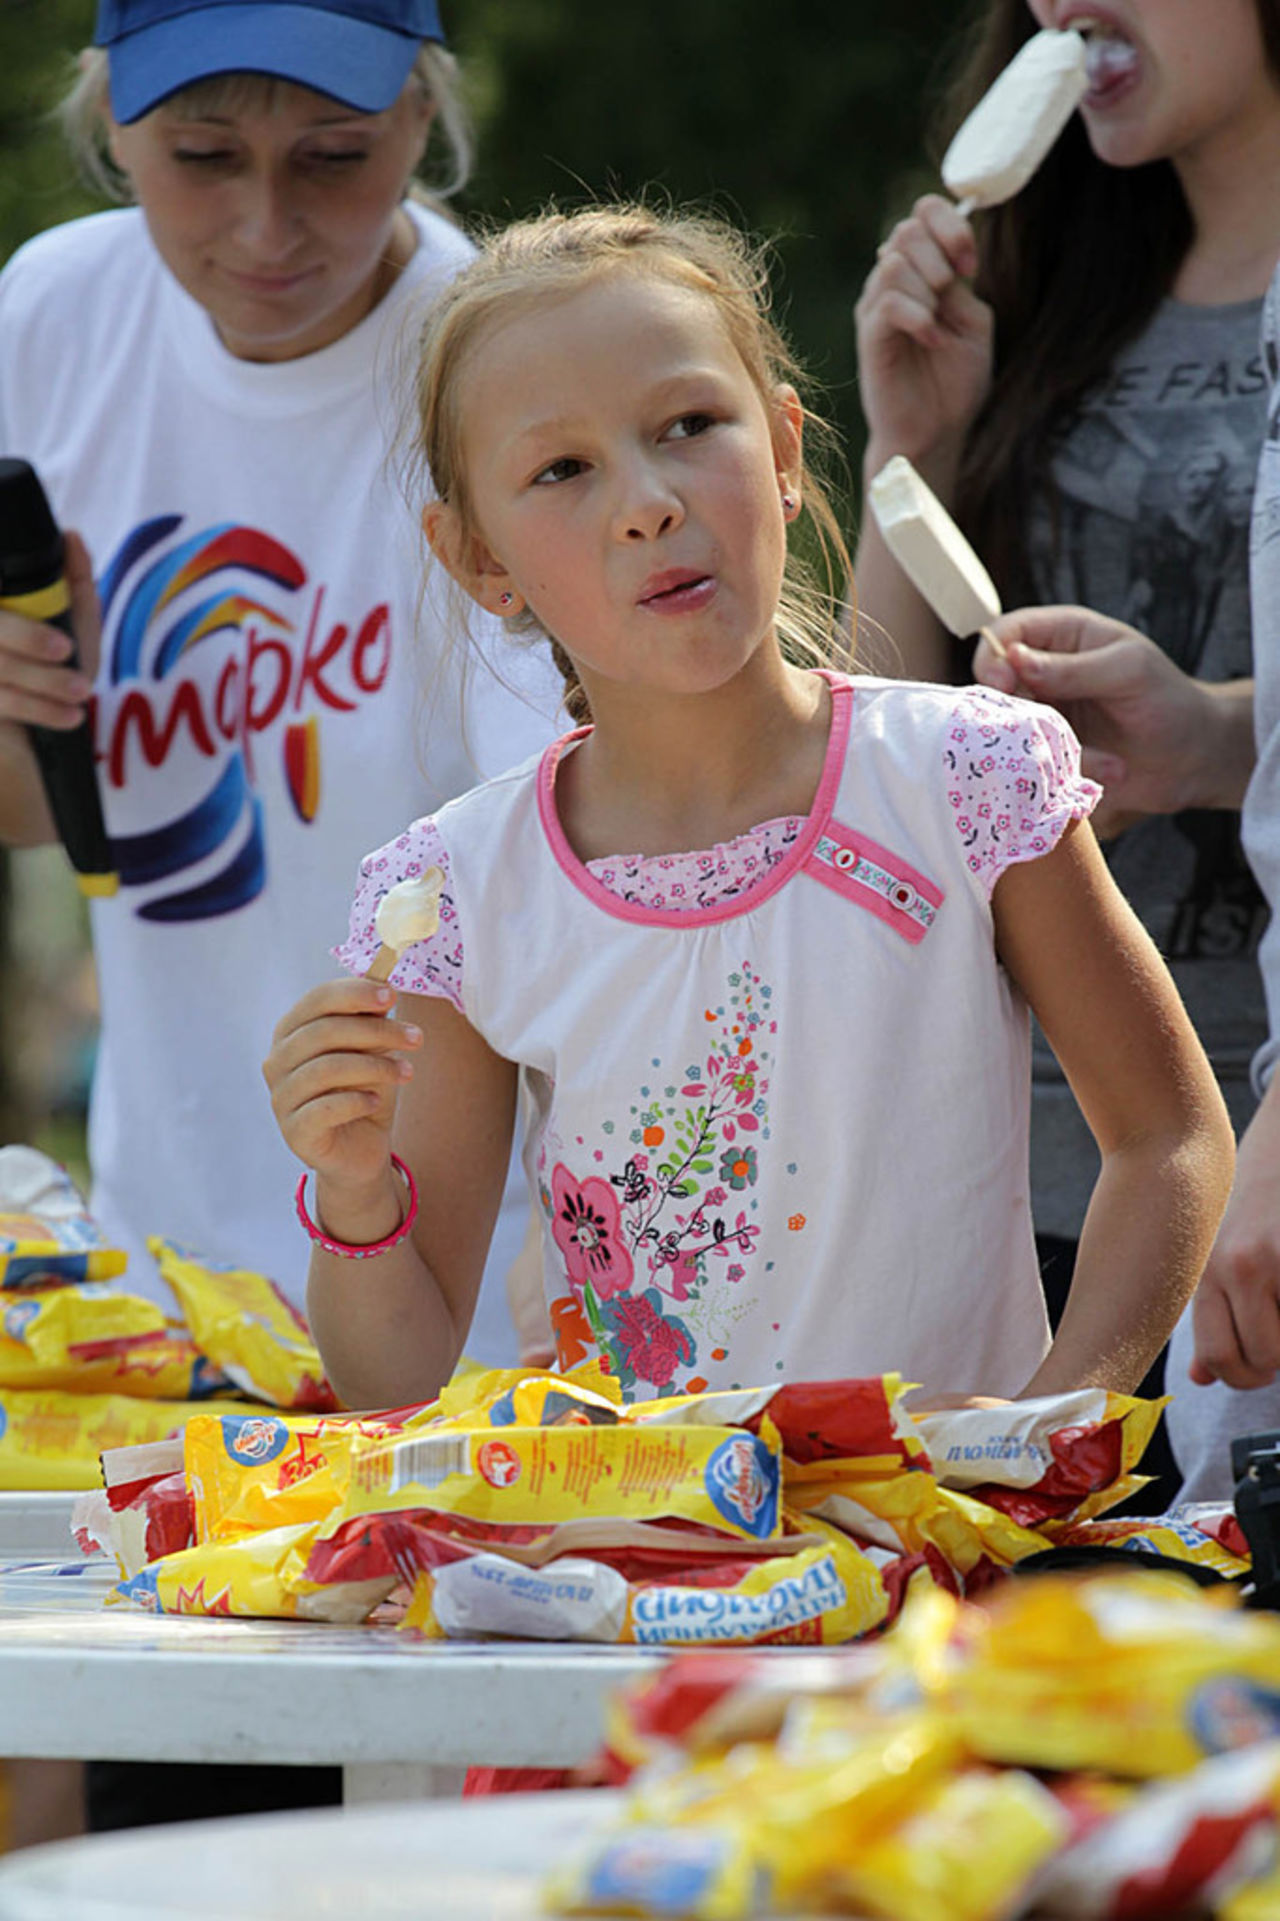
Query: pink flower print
x=715, y=1197
x=653, y=1346
x=735, y=1271
x=586, y=1227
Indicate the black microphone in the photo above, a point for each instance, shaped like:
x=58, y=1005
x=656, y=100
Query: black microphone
x=32, y=582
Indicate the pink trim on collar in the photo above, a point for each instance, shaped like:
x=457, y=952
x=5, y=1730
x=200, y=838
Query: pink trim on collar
x=842, y=691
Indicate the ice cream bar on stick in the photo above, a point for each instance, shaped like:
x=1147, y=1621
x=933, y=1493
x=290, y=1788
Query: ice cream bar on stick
x=933, y=553
x=1013, y=126
x=407, y=912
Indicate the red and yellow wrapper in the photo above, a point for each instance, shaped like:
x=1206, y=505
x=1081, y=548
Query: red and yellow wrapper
x=50, y=1440
x=1135, y=1674
x=247, y=1328
x=91, y=1337
x=722, y=1478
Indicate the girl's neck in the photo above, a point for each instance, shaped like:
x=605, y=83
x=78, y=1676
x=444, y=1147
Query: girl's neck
x=672, y=774
x=1230, y=184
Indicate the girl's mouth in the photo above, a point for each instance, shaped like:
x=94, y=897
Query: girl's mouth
x=1111, y=63
x=679, y=592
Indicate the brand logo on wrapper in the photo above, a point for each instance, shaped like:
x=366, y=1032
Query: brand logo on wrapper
x=667, y=1870
x=742, y=1480
x=19, y=1317
x=1232, y=1712
x=255, y=1440
x=499, y=1463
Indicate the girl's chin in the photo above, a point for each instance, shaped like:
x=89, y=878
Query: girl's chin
x=1118, y=142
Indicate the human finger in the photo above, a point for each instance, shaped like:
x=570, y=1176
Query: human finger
x=1109, y=770
x=1257, y=1318
x=961, y=312
x=1103, y=673
x=991, y=663
x=340, y=1049
x=349, y=994
x=898, y=312
x=913, y=251
x=1062, y=629
x=38, y=686
x=86, y=611
x=1220, y=1352
x=950, y=230
x=323, y=1095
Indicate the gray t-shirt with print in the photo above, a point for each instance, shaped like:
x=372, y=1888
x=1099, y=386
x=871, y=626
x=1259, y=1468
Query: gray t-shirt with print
x=1155, y=477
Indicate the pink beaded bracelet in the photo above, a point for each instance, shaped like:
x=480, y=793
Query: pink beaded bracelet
x=347, y=1251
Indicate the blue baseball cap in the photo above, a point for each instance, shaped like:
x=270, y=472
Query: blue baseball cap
x=357, y=51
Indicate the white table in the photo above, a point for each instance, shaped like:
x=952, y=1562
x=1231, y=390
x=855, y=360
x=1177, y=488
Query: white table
x=36, y=1525
x=400, y=1717
x=480, y=1860
x=467, y=1861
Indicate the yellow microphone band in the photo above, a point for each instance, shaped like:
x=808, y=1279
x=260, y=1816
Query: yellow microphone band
x=98, y=886
x=43, y=604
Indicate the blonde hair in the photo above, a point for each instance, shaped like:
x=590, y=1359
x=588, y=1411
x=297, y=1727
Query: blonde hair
x=84, y=112
x=550, y=256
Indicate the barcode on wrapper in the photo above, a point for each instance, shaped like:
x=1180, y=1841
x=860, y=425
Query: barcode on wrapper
x=430, y=1461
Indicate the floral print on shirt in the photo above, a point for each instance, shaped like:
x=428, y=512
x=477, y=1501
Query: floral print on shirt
x=1013, y=781
x=649, y=1249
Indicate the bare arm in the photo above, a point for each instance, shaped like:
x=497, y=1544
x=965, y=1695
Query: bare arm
x=348, y=1081
x=1155, y=738
x=38, y=689
x=1115, y=1021
x=924, y=366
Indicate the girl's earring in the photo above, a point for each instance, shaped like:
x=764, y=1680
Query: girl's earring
x=790, y=506
x=506, y=600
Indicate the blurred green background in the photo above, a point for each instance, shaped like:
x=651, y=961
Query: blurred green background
x=804, y=123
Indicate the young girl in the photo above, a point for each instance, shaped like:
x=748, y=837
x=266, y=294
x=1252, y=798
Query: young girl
x=753, y=947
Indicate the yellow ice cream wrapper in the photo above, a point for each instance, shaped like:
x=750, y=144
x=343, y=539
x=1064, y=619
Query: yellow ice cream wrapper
x=723, y=1478
x=52, y=1440
x=242, y=1321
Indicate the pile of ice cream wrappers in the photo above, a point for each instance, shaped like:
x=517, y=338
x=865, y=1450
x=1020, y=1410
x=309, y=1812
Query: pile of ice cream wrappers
x=87, y=1365
x=1098, y=1746
x=535, y=1504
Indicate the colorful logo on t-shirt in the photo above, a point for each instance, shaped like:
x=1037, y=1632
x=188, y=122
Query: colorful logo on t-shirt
x=217, y=649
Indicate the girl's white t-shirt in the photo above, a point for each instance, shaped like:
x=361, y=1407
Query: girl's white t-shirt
x=783, y=1135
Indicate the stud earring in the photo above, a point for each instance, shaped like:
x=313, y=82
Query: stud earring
x=788, y=504
x=506, y=600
